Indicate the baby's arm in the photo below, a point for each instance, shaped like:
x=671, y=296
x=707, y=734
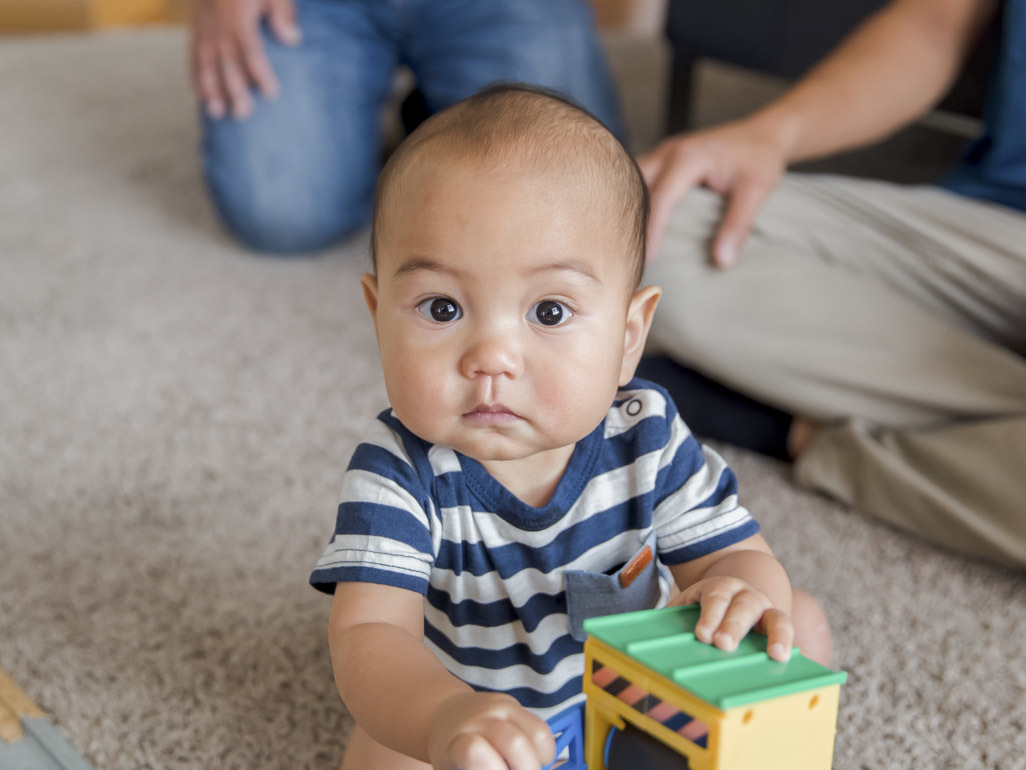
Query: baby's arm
x=739, y=587
x=404, y=698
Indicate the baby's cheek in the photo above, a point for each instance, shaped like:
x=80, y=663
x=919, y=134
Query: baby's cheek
x=410, y=390
x=420, y=416
x=571, y=396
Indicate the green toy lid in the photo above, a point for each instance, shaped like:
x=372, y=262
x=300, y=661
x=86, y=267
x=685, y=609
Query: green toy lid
x=664, y=641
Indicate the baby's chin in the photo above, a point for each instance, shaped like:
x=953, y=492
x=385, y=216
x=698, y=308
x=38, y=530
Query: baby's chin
x=493, y=452
x=502, y=450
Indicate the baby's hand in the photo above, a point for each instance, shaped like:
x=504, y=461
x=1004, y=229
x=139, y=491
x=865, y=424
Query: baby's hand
x=731, y=608
x=488, y=731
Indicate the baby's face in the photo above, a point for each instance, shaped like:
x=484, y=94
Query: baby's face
x=500, y=305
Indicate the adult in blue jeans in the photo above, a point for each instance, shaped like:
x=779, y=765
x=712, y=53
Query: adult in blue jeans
x=293, y=91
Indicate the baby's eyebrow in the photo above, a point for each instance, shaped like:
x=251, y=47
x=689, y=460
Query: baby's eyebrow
x=415, y=264
x=571, y=265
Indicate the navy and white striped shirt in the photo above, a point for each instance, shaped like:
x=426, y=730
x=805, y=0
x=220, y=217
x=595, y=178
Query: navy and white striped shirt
x=491, y=568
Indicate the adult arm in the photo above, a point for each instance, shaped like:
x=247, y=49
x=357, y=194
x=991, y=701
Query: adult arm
x=888, y=72
x=226, y=53
x=402, y=695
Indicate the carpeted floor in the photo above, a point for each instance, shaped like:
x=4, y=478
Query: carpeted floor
x=174, y=418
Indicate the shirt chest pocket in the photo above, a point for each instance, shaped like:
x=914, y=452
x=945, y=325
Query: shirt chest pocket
x=635, y=586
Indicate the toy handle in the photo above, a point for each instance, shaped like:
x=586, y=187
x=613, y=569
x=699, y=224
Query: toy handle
x=568, y=728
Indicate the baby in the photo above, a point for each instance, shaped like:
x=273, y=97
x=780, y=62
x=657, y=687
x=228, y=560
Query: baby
x=522, y=480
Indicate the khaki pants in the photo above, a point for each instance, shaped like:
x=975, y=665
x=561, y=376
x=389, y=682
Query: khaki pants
x=896, y=314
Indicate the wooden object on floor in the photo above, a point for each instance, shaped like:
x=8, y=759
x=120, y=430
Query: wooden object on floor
x=28, y=739
x=30, y=16
x=14, y=704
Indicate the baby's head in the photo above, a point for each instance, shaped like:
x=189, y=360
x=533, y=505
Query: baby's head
x=509, y=243
x=528, y=130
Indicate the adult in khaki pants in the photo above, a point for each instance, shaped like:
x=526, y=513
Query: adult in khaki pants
x=888, y=321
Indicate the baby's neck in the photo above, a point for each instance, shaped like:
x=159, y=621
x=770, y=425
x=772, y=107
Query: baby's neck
x=533, y=479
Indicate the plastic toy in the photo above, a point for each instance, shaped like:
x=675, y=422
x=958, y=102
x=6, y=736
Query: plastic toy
x=568, y=728
x=652, y=688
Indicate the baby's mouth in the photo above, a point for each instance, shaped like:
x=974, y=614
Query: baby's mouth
x=491, y=414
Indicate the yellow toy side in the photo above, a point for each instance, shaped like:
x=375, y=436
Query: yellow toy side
x=734, y=710
x=648, y=693
x=791, y=732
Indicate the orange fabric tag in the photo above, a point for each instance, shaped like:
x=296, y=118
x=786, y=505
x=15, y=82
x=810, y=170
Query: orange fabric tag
x=635, y=566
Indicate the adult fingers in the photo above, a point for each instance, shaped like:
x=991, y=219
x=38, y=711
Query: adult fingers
x=233, y=81
x=652, y=166
x=194, y=46
x=681, y=170
x=203, y=64
x=282, y=19
x=779, y=629
x=651, y=163
x=745, y=201
x=208, y=82
x=254, y=60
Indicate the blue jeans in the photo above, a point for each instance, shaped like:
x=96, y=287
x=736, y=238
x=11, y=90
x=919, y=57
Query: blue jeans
x=299, y=174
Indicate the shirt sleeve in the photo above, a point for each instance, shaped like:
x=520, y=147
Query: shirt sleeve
x=696, y=503
x=383, y=531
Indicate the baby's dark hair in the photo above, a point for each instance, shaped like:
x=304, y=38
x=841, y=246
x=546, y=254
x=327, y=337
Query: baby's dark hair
x=528, y=126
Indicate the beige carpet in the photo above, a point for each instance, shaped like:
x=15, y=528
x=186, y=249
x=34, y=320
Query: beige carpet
x=174, y=419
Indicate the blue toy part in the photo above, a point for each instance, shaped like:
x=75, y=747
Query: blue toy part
x=40, y=748
x=568, y=728
x=609, y=744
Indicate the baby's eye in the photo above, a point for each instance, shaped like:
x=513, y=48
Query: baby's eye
x=548, y=312
x=440, y=309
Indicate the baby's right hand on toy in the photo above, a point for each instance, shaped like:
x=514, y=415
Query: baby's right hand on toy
x=731, y=608
x=488, y=731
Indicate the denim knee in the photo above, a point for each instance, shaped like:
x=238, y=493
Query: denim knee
x=274, y=221
x=281, y=199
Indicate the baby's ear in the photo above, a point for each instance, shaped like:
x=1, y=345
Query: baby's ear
x=639, y=321
x=369, y=282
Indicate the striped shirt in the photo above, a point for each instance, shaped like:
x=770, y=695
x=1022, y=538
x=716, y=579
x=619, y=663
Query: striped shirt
x=491, y=568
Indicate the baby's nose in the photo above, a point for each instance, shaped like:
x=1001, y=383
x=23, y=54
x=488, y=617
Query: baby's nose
x=494, y=356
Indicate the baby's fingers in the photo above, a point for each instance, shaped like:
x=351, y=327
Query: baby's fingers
x=746, y=607
x=779, y=629
x=729, y=610
x=537, y=732
x=516, y=747
x=714, y=608
x=501, y=745
x=471, y=751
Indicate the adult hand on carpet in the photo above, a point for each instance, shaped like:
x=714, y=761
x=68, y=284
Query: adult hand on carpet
x=742, y=161
x=227, y=56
